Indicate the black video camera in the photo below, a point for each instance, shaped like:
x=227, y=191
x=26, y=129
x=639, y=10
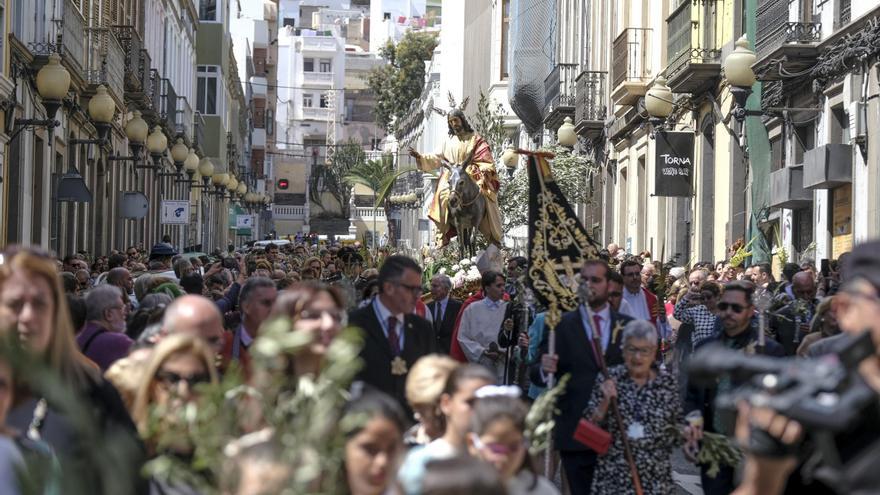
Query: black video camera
x=818, y=393
x=837, y=409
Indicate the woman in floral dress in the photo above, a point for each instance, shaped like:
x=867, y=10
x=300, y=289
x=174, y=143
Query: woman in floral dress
x=649, y=406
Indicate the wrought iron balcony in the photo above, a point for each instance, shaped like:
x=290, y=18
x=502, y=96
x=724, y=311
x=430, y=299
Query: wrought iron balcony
x=781, y=46
x=184, y=119
x=559, y=94
x=590, y=109
x=631, y=65
x=132, y=49
x=693, y=65
x=787, y=188
x=198, y=131
x=105, y=61
x=168, y=105
x=69, y=44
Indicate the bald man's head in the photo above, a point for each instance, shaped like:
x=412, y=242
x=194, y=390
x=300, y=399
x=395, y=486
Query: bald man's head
x=195, y=315
x=803, y=286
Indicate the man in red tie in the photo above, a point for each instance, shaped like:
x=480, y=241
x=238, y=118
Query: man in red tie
x=394, y=337
x=577, y=344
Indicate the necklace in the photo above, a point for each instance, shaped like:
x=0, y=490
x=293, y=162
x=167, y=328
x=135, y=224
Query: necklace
x=40, y=410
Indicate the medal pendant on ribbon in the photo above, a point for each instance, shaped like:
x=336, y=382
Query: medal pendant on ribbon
x=635, y=431
x=398, y=366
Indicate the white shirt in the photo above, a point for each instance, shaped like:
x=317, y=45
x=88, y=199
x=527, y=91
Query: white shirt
x=480, y=324
x=383, y=313
x=245, y=336
x=440, y=308
x=637, y=304
x=625, y=308
x=604, y=325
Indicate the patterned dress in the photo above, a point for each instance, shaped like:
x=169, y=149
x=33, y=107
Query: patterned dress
x=656, y=407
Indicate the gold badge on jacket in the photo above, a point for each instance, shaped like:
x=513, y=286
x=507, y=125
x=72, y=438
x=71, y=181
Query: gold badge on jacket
x=615, y=333
x=398, y=366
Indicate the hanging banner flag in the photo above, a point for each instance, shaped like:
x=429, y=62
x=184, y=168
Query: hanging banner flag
x=673, y=163
x=558, y=242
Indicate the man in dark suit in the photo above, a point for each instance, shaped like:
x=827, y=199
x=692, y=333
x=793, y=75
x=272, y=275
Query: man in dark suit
x=394, y=338
x=575, y=356
x=444, y=309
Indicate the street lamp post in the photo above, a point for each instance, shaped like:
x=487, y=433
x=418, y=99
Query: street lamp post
x=206, y=170
x=658, y=103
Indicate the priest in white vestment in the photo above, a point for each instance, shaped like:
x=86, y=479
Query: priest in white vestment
x=480, y=324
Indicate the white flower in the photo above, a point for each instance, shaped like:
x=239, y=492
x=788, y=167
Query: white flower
x=442, y=270
x=473, y=259
x=455, y=269
x=465, y=263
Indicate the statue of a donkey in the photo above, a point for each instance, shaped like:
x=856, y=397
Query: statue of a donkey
x=467, y=206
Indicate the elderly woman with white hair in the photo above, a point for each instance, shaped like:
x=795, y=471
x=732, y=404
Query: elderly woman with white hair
x=650, y=409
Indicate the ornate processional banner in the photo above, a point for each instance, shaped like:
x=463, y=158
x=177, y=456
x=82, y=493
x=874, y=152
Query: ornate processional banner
x=558, y=242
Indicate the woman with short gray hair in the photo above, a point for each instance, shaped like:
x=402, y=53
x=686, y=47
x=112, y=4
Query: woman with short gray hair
x=648, y=400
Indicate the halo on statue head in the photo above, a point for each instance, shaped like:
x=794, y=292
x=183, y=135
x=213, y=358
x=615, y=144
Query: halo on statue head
x=452, y=106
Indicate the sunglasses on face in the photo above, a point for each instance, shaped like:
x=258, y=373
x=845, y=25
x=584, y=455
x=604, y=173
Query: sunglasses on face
x=736, y=308
x=172, y=379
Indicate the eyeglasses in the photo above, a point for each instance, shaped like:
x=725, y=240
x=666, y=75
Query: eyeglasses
x=736, y=308
x=639, y=351
x=172, y=379
x=415, y=289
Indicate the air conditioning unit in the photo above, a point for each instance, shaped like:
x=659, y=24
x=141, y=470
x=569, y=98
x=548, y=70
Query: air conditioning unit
x=857, y=122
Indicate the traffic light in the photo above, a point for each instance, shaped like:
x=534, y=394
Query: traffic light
x=283, y=184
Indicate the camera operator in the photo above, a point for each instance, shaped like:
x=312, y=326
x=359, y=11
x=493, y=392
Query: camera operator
x=736, y=328
x=858, y=308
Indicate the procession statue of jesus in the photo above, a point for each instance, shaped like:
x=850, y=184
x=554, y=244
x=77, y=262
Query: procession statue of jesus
x=455, y=150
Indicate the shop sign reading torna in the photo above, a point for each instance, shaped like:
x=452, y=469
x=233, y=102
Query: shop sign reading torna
x=674, y=164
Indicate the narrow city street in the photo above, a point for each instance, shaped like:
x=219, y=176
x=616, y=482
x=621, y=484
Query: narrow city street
x=417, y=247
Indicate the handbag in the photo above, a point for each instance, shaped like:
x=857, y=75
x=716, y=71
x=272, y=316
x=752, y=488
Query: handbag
x=593, y=436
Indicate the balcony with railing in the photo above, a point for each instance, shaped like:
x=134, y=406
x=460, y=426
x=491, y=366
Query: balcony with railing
x=288, y=212
x=198, y=131
x=590, y=108
x=322, y=78
x=366, y=213
x=694, y=65
x=316, y=113
x=184, y=121
x=105, y=62
x=783, y=47
x=132, y=48
x=318, y=43
x=631, y=69
x=168, y=105
x=72, y=49
x=152, y=94
x=559, y=94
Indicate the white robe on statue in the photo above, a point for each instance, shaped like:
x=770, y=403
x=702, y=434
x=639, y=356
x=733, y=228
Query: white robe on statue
x=480, y=324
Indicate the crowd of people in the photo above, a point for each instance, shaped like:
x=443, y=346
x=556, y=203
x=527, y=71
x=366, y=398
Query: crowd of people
x=444, y=385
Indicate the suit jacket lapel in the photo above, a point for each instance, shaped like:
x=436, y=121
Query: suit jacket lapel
x=613, y=353
x=409, y=340
x=374, y=330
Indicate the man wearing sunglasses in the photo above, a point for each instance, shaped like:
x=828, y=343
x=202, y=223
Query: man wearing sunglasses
x=735, y=328
x=792, y=322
